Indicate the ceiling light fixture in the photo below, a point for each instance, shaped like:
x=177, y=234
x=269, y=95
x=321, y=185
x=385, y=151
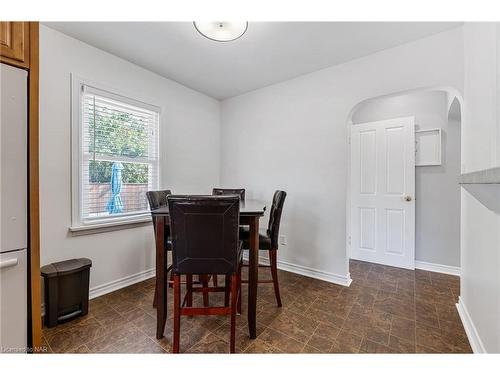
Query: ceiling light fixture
x=221, y=31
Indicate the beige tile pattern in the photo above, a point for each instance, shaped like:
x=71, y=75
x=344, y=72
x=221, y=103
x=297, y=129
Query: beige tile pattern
x=385, y=310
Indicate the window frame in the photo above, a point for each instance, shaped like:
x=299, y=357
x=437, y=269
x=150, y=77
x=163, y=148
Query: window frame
x=78, y=223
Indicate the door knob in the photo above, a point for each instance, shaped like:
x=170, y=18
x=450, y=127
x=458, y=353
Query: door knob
x=408, y=198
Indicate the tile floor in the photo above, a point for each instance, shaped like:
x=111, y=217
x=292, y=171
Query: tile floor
x=385, y=310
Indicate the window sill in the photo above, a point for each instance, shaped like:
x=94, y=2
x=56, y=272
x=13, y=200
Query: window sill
x=109, y=226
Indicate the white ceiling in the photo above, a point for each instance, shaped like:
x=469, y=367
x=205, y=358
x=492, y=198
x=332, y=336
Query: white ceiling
x=268, y=53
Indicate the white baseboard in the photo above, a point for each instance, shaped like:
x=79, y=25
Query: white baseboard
x=309, y=272
x=435, y=267
x=470, y=328
x=121, y=283
x=315, y=274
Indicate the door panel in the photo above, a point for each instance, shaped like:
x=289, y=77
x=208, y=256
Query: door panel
x=394, y=231
x=382, y=176
x=368, y=171
x=367, y=228
x=395, y=160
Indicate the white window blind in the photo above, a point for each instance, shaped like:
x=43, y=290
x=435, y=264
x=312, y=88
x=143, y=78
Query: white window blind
x=119, y=155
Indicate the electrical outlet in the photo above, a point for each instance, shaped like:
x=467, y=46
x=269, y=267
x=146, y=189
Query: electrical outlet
x=283, y=240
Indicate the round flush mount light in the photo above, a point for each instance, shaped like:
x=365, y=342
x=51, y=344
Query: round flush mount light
x=221, y=31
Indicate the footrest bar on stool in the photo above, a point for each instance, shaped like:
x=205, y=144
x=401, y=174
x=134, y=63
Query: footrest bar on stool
x=260, y=281
x=260, y=265
x=205, y=310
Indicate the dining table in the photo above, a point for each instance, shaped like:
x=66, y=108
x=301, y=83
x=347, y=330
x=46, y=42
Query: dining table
x=250, y=213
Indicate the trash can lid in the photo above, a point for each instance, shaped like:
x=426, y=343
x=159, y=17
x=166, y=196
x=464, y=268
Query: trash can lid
x=65, y=267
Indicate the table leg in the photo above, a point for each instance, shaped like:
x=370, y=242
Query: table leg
x=161, y=301
x=253, y=276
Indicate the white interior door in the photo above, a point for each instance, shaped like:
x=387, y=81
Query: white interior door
x=383, y=192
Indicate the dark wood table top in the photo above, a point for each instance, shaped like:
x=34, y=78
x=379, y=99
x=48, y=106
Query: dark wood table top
x=248, y=207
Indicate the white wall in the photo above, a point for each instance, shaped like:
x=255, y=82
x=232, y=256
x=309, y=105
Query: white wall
x=480, y=227
x=437, y=193
x=292, y=136
x=189, y=146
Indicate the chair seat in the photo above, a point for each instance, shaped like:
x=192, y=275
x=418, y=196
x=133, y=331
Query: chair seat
x=264, y=239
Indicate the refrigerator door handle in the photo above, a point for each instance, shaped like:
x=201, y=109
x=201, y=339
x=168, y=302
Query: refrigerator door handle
x=8, y=263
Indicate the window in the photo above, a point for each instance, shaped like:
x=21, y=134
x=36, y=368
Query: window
x=115, y=152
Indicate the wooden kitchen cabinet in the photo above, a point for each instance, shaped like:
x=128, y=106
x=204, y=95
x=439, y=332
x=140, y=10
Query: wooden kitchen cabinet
x=14, y=43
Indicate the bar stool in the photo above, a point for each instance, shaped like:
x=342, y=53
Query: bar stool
x=205, y=241
x=156, y=200
x=268, y=240
x=220, y=191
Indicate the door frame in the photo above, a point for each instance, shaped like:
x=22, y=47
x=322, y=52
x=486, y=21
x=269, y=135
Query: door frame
x=452, y=92
x=349, y=207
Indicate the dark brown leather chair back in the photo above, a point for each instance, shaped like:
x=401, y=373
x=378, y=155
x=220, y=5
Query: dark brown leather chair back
x=158, y=199
x=273, y=227
x=240, y=192
x=204, y=231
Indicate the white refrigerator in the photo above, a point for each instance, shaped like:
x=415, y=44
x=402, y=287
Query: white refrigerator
x=13, y=207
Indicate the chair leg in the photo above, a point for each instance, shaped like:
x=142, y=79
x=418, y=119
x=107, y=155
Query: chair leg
x=215, y=280
x=154, y=298
x=239, y=289
x=234, y=298
x=177, y=313
x=227, y=292
x=169, y=285
x=171, y=279
x=273, y=258
x=204, y=281
x=189, y=290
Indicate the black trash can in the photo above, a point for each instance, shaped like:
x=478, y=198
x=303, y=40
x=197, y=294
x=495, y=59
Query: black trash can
x=66, y=290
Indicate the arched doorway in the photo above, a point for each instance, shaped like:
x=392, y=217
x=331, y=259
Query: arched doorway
x=437, y=193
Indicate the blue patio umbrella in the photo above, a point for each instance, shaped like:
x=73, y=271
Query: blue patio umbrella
x=115, y=205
